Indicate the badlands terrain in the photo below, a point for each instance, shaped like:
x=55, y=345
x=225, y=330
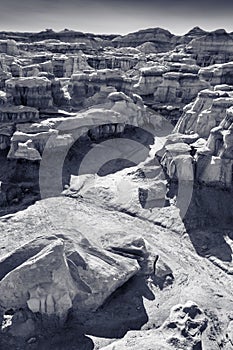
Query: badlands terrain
x=116, y=183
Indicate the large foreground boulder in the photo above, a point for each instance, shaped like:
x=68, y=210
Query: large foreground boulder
x=43, y=283
x=52, y=275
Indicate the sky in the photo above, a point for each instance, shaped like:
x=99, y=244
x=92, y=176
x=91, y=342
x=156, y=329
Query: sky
x=117, y=17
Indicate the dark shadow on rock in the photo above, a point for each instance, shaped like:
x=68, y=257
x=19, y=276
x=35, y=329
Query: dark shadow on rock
x=163, y=281
x=67, y=339
x=84, y=144
x=122, y=311
x=208, y=221
x=209, y=242
x=114, y=165
x=19, y=184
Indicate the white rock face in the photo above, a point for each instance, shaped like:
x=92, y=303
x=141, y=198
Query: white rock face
x=217, y=171
x=179, y=88
x=31, y=91
x=52, y=275
x=206, y=112
x=84, y=85
x=27, y=151
x=150, y=79
x=9, y=47
x=178, y=162
x=61, y=132
x=43, y=283
x=125, y=232
x=217, y=74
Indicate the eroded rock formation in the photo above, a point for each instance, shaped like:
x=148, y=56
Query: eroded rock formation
x=144, y=222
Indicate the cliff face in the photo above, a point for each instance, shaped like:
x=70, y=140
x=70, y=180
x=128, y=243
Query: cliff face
x=214, y=47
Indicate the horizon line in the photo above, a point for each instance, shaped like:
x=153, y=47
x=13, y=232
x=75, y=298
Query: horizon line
x=109, y=34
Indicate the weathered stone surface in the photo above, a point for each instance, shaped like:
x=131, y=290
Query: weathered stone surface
x=218, y=74
x=32, y=92
x=85, y=85
x=116, y=93
x=50, y=275
x=179, y=88
x=150, y=79
x=61, y=132
x=182, y=330
x=17, y=114
x=206, y=112
x=214, y=47
x=43, y=283
x=9, y=47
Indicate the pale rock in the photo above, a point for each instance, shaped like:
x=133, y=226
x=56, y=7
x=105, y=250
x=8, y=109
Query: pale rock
x=153, y=195
x=178, y=162
x=179, y=87
x=17, y=114
x=32, y=91
x=216, y=171
x=50, y=275
x=150, y=79
x=205, y=113
x=9, y=47
x=218, y=74
x=118, y=96
x=27, y=151
x=30, y=283
x=211, y=48
x=147, y=47
x=85, y=85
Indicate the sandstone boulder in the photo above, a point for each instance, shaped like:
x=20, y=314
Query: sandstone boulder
x=43, y=283
x=51, y=275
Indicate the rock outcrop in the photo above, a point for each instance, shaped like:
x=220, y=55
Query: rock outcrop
x=31, y=92
x=52, y=275
x=162, y=39
x=179, y=88
x=211, y=48
x=206, y=112
x=29, y=140
x=85, y=85
x=218, y=74
x=9, y=47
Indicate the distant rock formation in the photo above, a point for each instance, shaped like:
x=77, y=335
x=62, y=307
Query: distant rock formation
x=206, y=112
x=31, y=92
x=162, y=39
x=211, y=48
